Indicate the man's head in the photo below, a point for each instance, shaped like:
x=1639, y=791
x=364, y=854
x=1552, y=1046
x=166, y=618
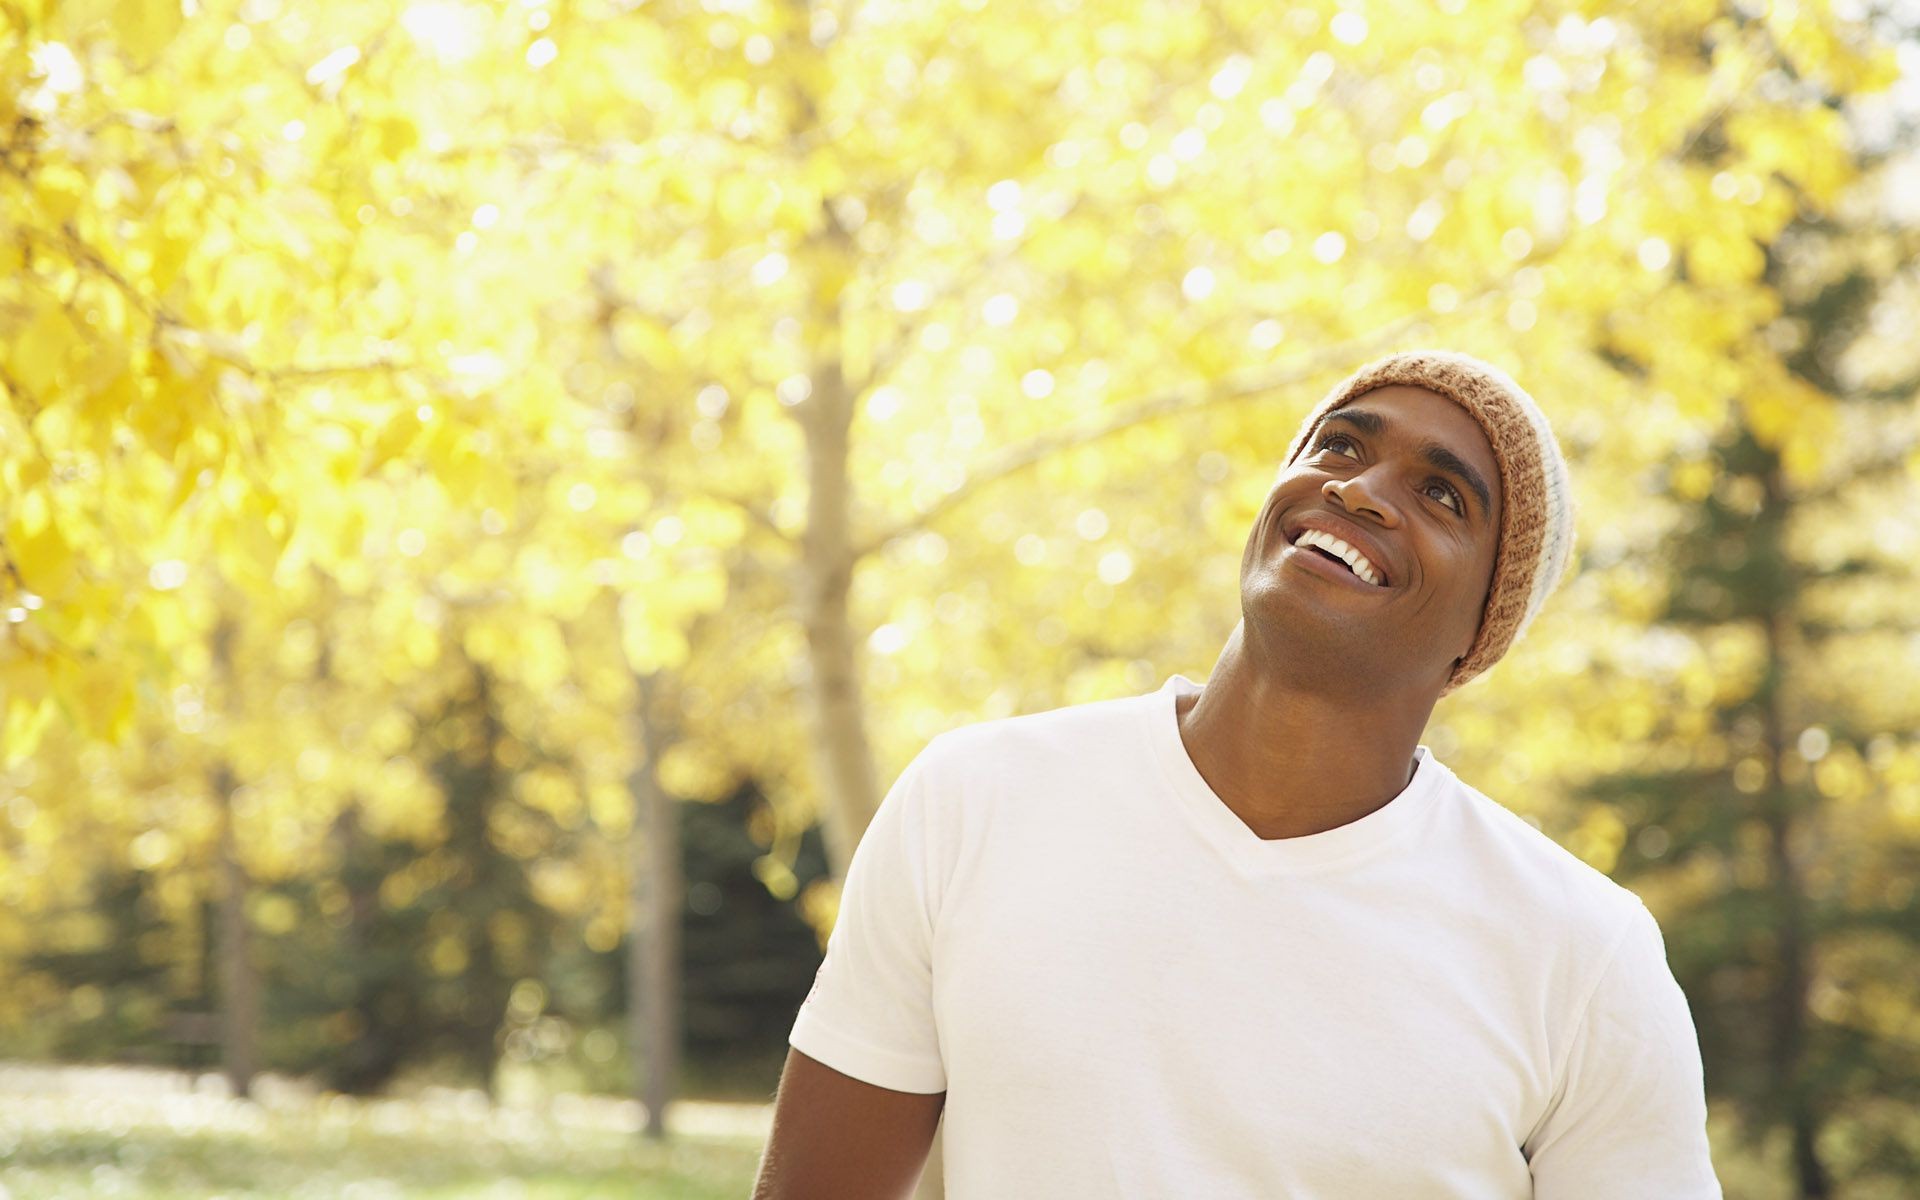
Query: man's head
x=1443, y=474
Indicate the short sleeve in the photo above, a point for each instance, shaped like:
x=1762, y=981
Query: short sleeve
x=1629, y=1118
x=870, y=1013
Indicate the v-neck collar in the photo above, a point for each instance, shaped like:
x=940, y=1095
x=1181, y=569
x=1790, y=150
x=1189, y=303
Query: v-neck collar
x=1248, y=851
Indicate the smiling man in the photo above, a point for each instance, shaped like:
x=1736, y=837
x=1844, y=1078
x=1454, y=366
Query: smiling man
x=1251, y=938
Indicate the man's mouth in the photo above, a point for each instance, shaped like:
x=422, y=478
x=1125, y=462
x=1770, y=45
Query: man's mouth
x=1334, y=550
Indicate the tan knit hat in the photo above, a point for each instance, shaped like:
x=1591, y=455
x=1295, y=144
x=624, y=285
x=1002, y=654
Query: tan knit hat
x=1536, y=504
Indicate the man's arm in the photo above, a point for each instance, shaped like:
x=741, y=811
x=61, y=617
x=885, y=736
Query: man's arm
x=1631, y=1117
x=865, y=1083
x=836, y=1138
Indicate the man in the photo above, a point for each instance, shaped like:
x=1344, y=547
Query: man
x=1251, y=939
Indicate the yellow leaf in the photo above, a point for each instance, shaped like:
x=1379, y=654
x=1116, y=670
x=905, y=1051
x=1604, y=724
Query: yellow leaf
x=350, y=534
x=695, y=769
x=25, y=473
x=164, y=419
x=650, y=648
x=692, y=589
x=393, y=440
x=170, y=252
x=103, y=698
x=1692, y=480
x=643, y=339
x=40, y=353
x=26, y=720
x=42, y=554
x=144, y=27
x=58, y=192
x=456, y=466
x=422, y=642
x=101, y=412
x=186, y=482
x=397, y=136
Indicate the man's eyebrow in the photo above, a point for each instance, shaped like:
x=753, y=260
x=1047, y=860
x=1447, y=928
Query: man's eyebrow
x=1436, y=455
x=1446, y=460
x=1359, y=418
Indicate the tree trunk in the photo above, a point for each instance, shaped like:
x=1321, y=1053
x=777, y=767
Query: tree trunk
x=847, y=783
x=849, y=788
x=478, y=788
x=373, y=1056
x=653, y=927
x=844, y=757
x=239, y=1009
x=1789, y=1041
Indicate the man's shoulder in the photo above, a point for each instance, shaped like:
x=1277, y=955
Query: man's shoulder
x=1526, y=864
x=1024, y=742
x=1029, y=768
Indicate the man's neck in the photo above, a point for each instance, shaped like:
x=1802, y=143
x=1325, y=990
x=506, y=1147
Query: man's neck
x=1290, y=762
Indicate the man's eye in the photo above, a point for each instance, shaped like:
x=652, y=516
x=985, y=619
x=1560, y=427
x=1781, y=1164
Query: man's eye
x=1447, y=493
x=1331, y=438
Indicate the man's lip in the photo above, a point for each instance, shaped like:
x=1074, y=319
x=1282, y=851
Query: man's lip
x=1348, y=532
x=1319, y=563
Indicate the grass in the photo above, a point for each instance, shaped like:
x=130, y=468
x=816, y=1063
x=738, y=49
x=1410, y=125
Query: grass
x=139, y=1134
x=179, y=1144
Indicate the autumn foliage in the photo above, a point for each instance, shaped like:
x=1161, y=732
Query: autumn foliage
x=415, y=411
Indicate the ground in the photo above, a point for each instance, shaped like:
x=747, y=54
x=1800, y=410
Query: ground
x=147, y=1135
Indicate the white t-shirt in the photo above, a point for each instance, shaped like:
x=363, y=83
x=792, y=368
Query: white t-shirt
x=1125, y=992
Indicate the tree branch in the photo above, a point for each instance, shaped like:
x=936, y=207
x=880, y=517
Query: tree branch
x=960, y=284
x=1245, y=385
x=1177, y=401
x=754, y=512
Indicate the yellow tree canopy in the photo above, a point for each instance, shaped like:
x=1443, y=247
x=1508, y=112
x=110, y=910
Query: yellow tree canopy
x=403, y=338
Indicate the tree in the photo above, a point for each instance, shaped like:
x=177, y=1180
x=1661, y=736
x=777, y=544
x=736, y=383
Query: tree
x=1774, y=848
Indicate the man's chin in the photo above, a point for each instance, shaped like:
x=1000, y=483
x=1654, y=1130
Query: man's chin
x=1284, y=617
x=1297, y=597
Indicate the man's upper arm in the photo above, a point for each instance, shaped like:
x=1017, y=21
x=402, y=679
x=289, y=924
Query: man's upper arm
x=834, y=1136
x=870, y=1012
x=1629, y=1119
x=865, y=1082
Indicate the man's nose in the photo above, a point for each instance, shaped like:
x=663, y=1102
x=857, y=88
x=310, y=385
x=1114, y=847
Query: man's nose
x=1364, y=492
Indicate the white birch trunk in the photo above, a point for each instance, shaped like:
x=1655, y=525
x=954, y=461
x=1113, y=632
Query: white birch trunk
x=653, y=924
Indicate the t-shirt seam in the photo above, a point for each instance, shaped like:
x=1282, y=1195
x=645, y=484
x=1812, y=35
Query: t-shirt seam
x=1430, y=802
x=922, y=869
x=1351, y=859
x=1559, y=1074
x=834, y=1032
x=1161, y=752
x=924, y=766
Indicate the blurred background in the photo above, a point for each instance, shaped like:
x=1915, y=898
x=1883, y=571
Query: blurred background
x=491, y=493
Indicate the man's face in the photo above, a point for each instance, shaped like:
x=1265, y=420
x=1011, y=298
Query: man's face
x=1392, y=474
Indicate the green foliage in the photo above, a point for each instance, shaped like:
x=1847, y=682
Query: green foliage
x=748, y=956
x=113, y=958
x=370, y=973
x=1773, y=824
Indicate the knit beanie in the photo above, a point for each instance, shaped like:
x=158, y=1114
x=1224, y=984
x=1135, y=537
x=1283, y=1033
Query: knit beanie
x=1536, y=504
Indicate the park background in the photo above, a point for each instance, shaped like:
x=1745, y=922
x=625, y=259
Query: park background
x=492, y=492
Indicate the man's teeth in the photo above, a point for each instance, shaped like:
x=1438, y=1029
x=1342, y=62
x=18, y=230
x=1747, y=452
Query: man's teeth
x=1356, y=561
